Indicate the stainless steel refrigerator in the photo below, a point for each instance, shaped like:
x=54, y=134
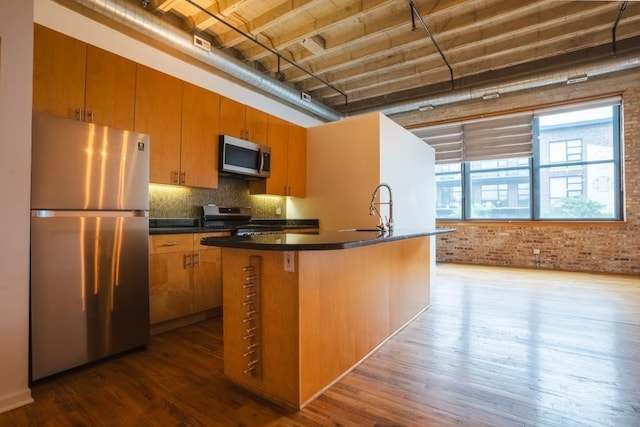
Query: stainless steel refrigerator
x=89, y=243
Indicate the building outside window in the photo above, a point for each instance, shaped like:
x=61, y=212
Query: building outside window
x=449, y=191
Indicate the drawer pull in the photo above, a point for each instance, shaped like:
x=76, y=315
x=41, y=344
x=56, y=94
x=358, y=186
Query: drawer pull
x=252, y=330
x=248, y=268
x=248, y=302
x=248, y=319
x=168, y=244
x=249, y=336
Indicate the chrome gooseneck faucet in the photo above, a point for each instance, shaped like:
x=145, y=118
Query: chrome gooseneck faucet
x=384, y=226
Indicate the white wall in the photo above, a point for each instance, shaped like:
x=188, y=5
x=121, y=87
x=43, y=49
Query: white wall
x=16, y=59
x=343, y=161
x=409, y=166
x=346, y=160
x=59, y=18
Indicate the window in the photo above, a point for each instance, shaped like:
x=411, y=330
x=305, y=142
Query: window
x=563, y=151
x=577, y=164
x=449, y=191
x=572, y=173
x=495, y=189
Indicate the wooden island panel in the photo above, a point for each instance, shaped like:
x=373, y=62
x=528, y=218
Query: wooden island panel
x=318, y=322
x=277, y=317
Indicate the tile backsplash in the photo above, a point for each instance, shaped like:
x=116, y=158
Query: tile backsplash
x=174, y=201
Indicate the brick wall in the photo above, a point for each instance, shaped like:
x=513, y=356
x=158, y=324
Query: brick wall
x=612, y=247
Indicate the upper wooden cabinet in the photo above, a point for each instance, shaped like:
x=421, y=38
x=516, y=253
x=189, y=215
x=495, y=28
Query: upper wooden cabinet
x=158, y=113
x=277, y=136
x=297, y=161
x=182, y=120
x=79, y=81
x=111, y=89
x=200, y=130
x=242, y=121
x=288, y=144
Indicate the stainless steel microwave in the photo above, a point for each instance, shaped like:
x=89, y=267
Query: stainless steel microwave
x=244, y=158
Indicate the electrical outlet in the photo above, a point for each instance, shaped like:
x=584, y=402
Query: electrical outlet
x=278, y=211
x=289, y=262
x=536, y=251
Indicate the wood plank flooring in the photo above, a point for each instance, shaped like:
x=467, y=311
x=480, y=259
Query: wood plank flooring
x=498, y=347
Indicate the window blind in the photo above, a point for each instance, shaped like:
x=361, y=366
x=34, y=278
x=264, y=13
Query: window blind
x=445, y=140
x=500, y=138
x=495, y=138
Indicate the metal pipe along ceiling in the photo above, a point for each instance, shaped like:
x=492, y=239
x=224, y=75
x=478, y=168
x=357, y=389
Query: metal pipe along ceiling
x=608, y=66
x=148, y=24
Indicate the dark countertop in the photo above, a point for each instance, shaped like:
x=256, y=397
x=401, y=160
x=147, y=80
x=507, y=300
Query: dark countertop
x=322, y=240
x=192, y=225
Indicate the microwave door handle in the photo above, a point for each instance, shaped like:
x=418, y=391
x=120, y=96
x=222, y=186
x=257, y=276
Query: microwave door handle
x=260, y=160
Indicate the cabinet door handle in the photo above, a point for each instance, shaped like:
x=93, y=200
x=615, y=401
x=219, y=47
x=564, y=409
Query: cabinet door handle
x=183, y=177
x=175, y=178
x=196, y=259
x=79, y=115
x=90, y=114
x=188, y=260
x=168, y=244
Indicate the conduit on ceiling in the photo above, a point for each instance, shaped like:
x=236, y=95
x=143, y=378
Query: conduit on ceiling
x=267, y=48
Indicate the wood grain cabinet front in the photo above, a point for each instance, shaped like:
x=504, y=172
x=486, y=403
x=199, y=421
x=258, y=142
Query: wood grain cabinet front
x=241, y=121
x=199, y=138
x=288, y=143
x=79, y=81
x=182, y=120
x=184, y=276
x=207, y=274
x=170, y=272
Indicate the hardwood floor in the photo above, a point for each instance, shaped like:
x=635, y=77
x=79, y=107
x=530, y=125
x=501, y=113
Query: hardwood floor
x=498, y=347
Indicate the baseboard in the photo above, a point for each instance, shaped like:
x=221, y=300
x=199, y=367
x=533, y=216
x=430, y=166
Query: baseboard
x=15, y=400
x=169, y=325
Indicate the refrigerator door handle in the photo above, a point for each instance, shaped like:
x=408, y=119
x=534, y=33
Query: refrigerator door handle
x=45, y=213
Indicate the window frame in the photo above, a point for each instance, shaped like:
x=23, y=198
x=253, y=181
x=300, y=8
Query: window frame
x=534, y=167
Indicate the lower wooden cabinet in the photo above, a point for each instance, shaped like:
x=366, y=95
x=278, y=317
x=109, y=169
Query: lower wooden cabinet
x=207, y=274
x=184, y=276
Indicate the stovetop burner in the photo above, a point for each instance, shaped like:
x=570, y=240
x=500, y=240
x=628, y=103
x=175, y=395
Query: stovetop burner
x=236, y=219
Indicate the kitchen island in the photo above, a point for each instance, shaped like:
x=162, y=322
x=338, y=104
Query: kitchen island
x=302, y=310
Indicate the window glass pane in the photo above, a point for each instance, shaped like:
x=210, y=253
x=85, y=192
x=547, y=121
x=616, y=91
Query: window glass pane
x=449, y=195
x=585, y=135
x=578, y=192
x=448, y=167
x=500, y=194
x=499, y=164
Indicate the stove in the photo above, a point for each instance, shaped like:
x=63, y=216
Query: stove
x=236, y=219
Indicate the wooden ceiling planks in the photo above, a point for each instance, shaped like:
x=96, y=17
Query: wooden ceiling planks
x=367, y=48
